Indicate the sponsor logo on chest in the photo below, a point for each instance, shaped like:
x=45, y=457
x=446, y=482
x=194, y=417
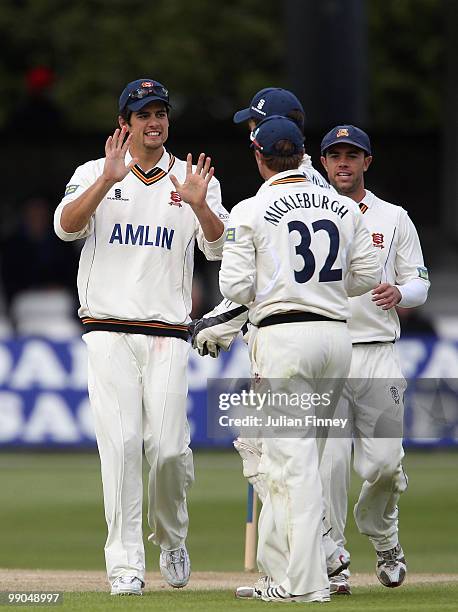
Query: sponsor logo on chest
x=117, y=196
x=142, y=235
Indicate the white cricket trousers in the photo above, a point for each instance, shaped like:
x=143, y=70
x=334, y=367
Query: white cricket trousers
x=138, y=389
x=290, y=547
x=375, y=400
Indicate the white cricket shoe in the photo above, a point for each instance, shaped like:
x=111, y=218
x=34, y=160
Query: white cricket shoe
x=175, y=567
x=340, y=584
x=391, y=566
x=127, y=585
x=278, y=594
x=338, y=562
x=254, y=592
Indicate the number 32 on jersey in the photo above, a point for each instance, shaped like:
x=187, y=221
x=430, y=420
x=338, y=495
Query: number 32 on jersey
x=327, y=272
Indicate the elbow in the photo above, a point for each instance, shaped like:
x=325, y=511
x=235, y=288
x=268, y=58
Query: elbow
x=64, y=233
x=214, y=255
x=214, y=250
x=61, y=233
x=421, y=298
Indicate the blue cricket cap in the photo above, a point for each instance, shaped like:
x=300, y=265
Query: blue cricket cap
x=141, y=92
x=273, y=129
x=267, y=102
x=349, y=134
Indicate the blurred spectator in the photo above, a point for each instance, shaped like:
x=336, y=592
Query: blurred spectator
x=413, y=322
x=37, y=108
x=34, y=262
x=197, y=295
x=205, y=294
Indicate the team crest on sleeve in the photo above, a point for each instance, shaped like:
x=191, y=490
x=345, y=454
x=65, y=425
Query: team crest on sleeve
x=230, y=234
x=70, y=189
x=378, y=240
x=423, y=273
x=175, y=199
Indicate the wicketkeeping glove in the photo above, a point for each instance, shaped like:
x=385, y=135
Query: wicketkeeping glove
x=217, y=329
x=202, y=346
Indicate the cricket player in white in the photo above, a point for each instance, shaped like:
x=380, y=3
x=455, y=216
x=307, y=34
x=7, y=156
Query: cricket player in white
x=376, y=384
x=266, y=102
x=292, y=255
x=218, y=328
x=141, y=210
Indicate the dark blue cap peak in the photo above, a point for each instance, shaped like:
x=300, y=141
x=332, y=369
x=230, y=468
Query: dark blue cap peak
x=269, y=101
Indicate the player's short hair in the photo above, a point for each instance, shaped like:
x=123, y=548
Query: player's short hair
x=286, y=159
x=126, y=114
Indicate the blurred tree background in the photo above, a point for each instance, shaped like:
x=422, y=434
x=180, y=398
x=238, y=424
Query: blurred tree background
x=211, y=55
x=386, y=65
x=407, y=63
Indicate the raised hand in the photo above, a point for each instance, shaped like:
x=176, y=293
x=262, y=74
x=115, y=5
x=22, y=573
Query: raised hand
x=115, y=168
x=194, y=189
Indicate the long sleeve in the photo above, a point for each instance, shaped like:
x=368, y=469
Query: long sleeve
x=213, y=250
x=412, y=277
x=237, y=277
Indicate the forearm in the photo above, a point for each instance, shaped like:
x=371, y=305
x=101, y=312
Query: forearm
x=414, y=293
x=76, y=214
x=360, y=283
x=212, y=227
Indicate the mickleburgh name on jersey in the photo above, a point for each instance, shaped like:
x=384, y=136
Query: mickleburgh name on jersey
x=280, y=207
x=143, y=235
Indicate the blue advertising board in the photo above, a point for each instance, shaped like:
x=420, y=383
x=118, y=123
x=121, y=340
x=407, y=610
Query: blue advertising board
x=44, y=402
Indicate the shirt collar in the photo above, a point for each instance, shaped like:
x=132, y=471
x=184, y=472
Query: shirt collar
x=278, y=176
x=368, y=198
x=162, y=164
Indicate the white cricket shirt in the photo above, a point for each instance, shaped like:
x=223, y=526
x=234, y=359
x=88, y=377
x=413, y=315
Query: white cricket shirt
x=137, y=261
x=396, y=242
x=296, y=246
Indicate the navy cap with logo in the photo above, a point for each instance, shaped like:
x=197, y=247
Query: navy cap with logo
x=267, y=102
x=269, y=132
x=349, y=134
x=141, y=92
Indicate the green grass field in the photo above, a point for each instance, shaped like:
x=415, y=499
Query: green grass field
x=409, y=599
x=51, y=517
